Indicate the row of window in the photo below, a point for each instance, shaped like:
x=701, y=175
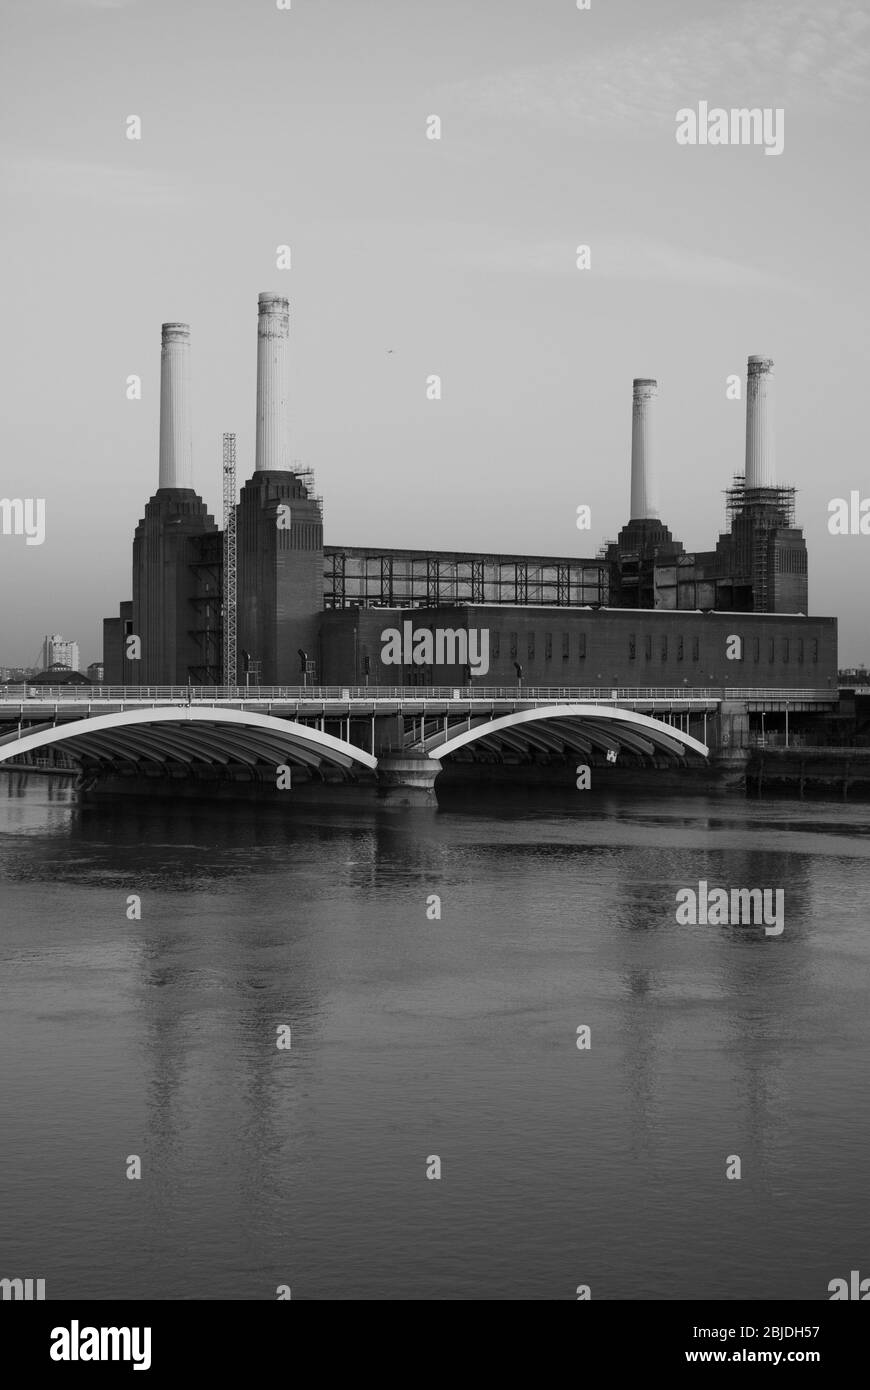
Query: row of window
x=789, y=648
x=548, y=645
x=791, y=561
x=754, y=649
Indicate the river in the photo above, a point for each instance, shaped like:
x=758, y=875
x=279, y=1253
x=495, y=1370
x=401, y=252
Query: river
x=414, y=1037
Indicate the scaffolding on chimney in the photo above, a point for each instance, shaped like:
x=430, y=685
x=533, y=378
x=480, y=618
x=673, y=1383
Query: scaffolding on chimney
x=306, y=478
x=229, y=577
x=773, y=505
x=766, y=510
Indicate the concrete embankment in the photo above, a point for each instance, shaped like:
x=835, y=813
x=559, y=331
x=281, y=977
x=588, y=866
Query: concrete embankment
x=823, y=772
x=841, y=772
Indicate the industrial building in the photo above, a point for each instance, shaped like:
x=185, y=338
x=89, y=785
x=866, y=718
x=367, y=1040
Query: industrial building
x=264, y=600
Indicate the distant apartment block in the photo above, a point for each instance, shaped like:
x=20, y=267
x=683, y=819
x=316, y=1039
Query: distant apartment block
x=57, y=651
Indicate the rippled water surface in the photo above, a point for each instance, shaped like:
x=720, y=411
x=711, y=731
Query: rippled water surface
x=414, y=1037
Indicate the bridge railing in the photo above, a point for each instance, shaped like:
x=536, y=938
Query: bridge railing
x=240, y=694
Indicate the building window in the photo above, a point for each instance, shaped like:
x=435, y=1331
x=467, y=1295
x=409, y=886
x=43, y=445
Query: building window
x=771, y=654
x=648, y=648
x=632, y=647
x=696, y=649
x=664, y=649
x=496, y=643
x=566, y=645
x=582, y=646
x=513, y=644
x=679, y=649
x=800, y=651
x=785, y=649
x=815, y=648
x=548, y=646
x=756, y=649
x=531, y=646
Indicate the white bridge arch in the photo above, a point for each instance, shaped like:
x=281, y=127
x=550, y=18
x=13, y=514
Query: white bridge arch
x=189, y=734
x=580, y=727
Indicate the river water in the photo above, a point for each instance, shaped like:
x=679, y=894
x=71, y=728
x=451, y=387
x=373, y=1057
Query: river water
x=413, y=1038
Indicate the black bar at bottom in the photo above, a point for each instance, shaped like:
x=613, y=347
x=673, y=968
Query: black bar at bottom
x=165, y=1339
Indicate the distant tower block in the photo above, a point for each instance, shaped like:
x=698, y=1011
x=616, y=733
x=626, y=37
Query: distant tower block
x=273, y=333
x=760, y=430
x=176, y=449
x=644, y=500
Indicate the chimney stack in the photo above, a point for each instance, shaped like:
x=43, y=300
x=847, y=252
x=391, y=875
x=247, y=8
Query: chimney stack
x=176, y=447
x=644, y=504
x=273, y=333
x=760, y=438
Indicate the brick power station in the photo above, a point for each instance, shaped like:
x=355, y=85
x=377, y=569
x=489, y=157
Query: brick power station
x=644, y=612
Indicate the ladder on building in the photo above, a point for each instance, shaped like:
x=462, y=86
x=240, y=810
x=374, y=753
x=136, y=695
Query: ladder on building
x=229, y=584
x=761, y=533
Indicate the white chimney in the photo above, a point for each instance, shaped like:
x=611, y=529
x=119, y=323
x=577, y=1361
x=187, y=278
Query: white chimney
x=644, y=501
x=176, y=445
x=273, y=333
x=760, y=437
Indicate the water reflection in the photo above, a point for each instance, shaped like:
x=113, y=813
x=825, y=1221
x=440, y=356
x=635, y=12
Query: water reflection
x=410, y=1032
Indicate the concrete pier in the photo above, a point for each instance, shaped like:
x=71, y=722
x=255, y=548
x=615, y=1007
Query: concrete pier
x=407, y=779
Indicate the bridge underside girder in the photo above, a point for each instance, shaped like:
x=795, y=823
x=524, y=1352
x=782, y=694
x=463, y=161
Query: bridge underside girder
x=176, y=740
x=166, y=737
x=562, y=729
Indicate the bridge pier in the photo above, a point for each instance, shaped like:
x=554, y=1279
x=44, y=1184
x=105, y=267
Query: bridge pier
x=730, y=752
x=407, y=779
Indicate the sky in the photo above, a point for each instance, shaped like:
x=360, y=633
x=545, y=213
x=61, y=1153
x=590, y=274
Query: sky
x=412, y=257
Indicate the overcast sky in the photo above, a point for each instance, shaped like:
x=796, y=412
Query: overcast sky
x=307, y=127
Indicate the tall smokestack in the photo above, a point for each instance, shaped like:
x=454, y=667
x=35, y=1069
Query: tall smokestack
x=760, y=437
x=176, y=448
x=644, y=503
x=273, y=333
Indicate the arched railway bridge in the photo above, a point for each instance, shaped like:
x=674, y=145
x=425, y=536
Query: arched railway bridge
x=393, y=738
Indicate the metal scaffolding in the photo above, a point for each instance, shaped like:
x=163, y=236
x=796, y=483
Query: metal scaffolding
x=361, y=578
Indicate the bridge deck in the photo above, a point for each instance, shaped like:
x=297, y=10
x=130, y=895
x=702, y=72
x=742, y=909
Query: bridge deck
x=29, y=702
